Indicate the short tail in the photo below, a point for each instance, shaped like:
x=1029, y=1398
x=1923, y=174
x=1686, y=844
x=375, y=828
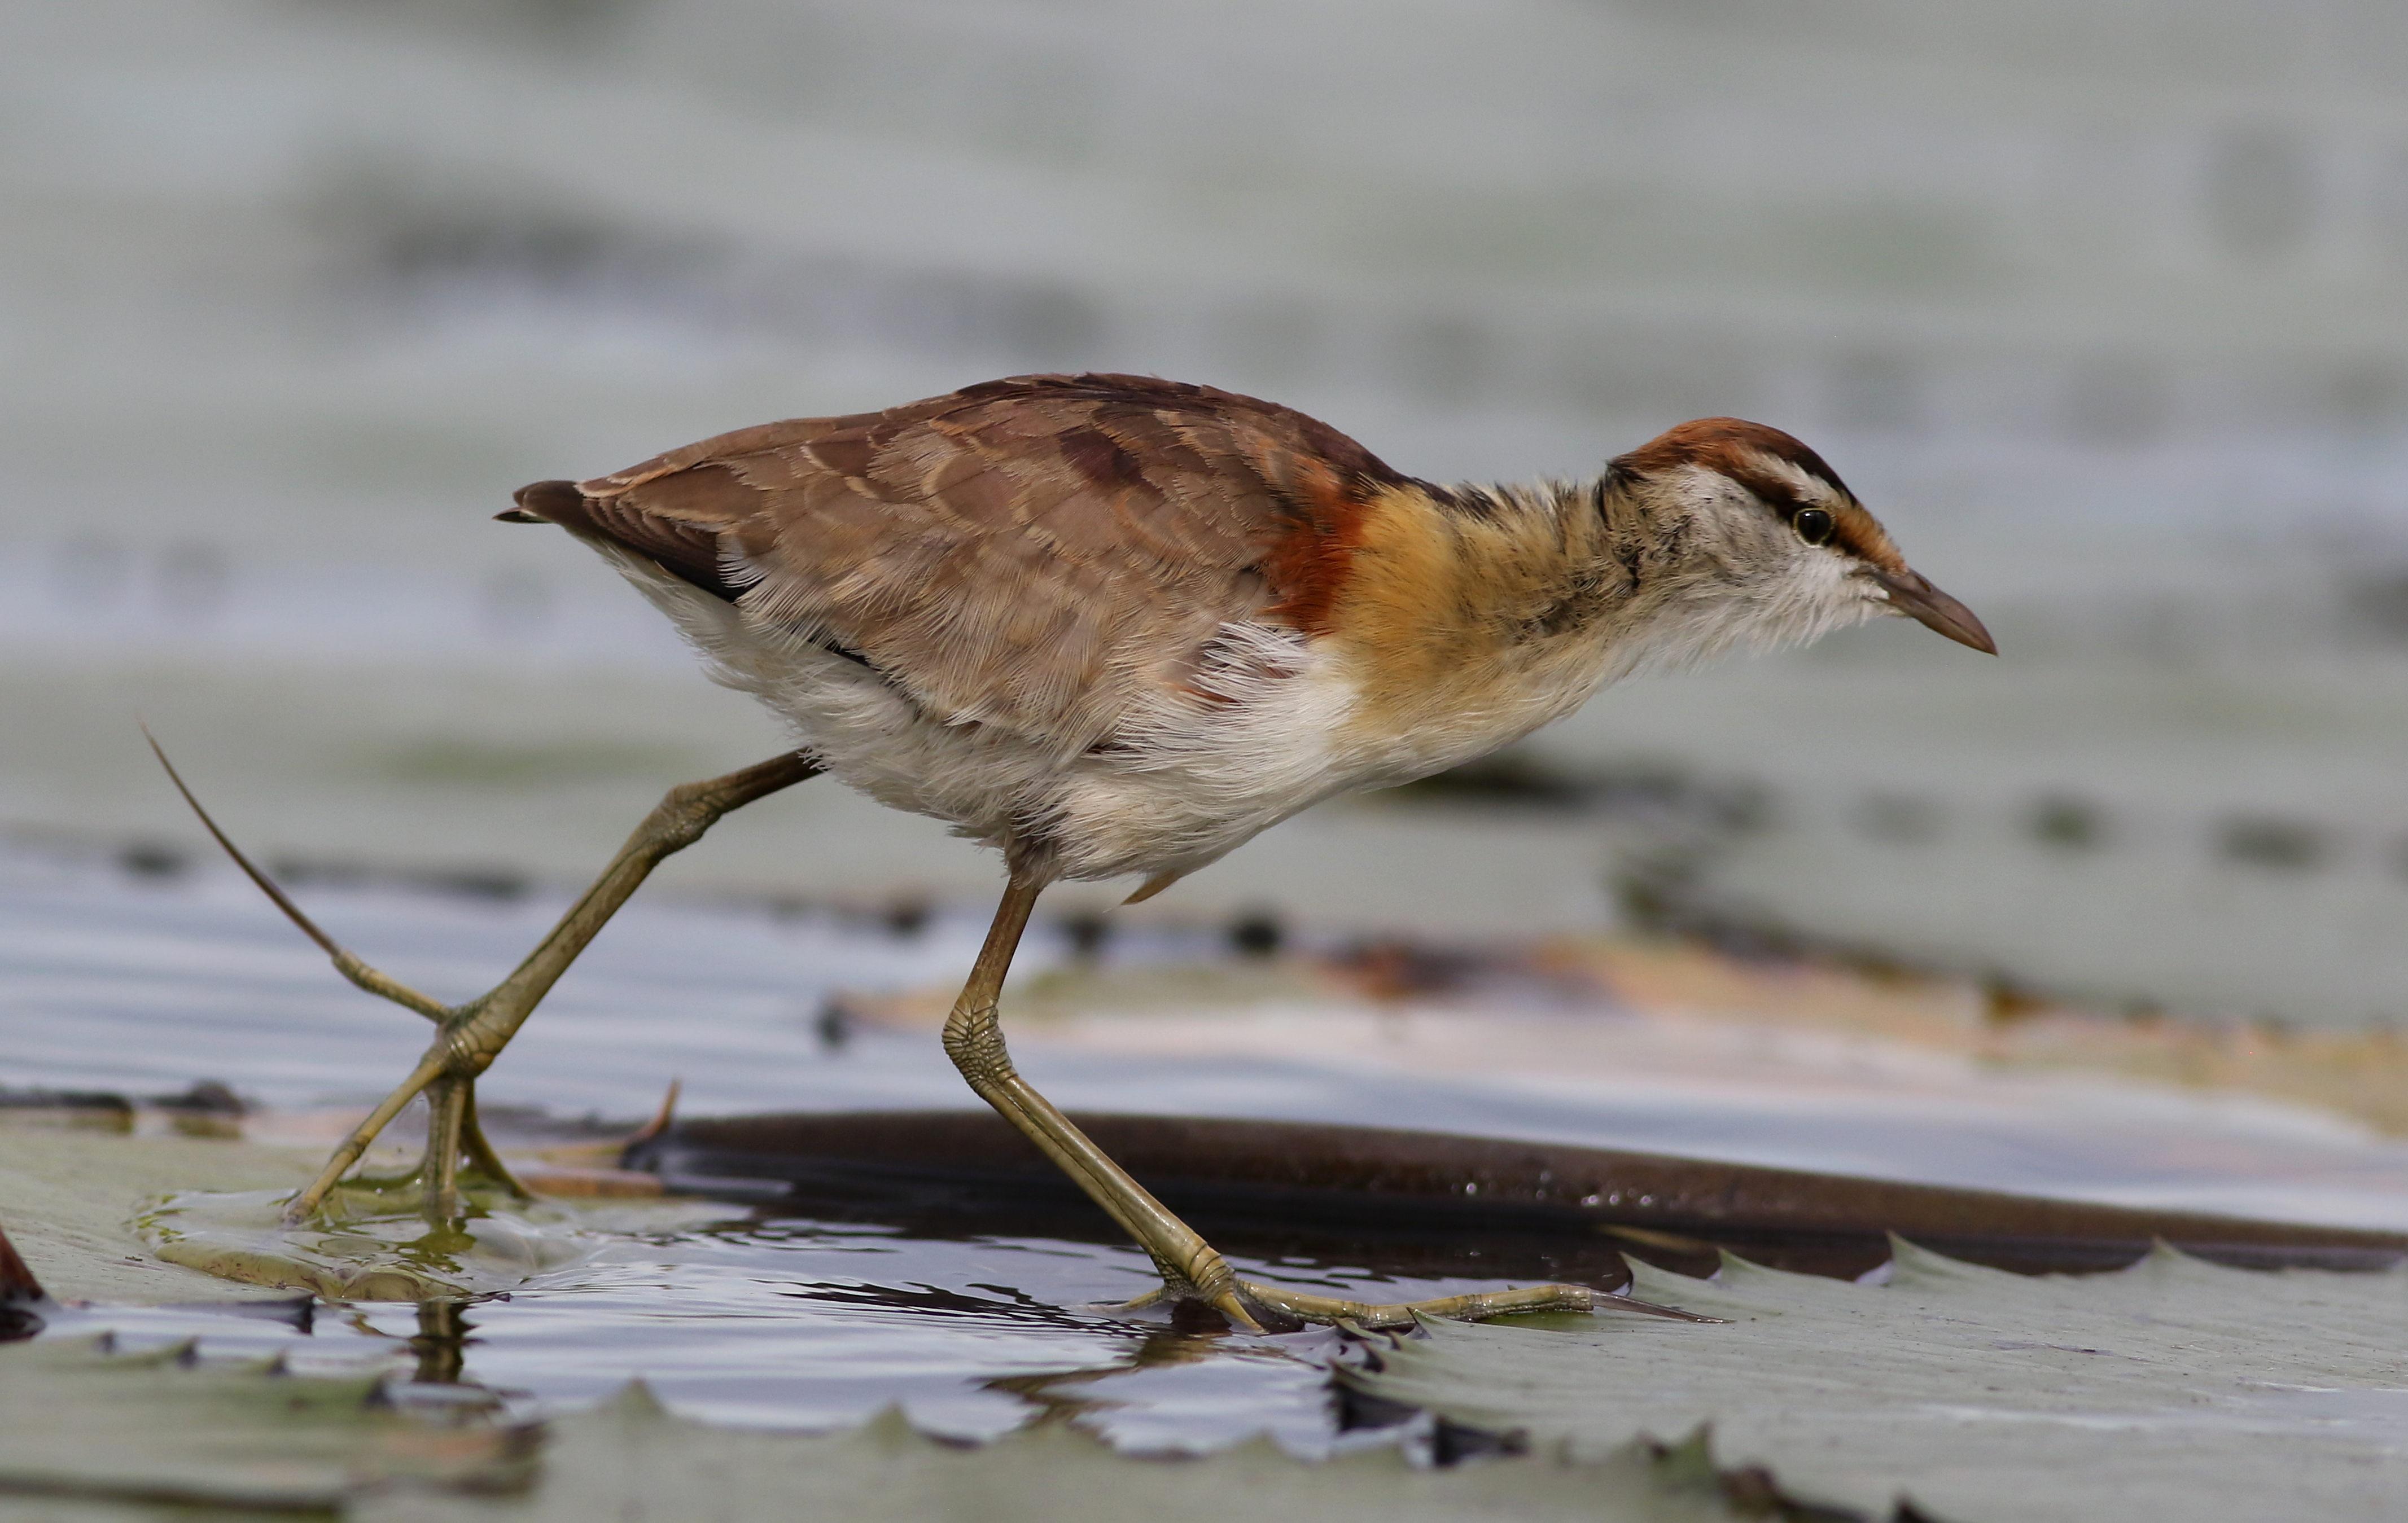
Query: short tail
x=688, y=551
x=544, y=502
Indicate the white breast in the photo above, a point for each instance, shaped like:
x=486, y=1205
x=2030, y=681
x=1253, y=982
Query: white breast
x=1178, y=788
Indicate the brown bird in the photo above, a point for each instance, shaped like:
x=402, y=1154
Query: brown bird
x=1114, y=626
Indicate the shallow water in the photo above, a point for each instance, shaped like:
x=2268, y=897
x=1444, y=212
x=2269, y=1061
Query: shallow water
x=795, y=1323
x=116, y=982
x=799, y=1314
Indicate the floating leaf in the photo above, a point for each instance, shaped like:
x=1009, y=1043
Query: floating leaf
x=2173, y=1389
x=629, y=1459
x=361, y=1249
x=77, y=1421
x=67, y=1197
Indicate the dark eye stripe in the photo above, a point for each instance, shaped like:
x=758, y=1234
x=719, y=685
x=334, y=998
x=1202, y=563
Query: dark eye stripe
x=1812, y=522
x=1775, y=493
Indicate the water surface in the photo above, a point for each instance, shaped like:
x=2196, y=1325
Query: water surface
x=802, y=1314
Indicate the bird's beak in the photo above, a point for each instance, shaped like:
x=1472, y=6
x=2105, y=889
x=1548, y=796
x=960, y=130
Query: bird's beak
x=1910, y=594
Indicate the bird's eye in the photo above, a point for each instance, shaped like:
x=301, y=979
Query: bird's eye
x=1813, y=524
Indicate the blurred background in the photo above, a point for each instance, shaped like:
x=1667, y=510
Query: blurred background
x=2102, y=306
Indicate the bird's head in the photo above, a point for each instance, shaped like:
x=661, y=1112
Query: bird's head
x=1773, y=531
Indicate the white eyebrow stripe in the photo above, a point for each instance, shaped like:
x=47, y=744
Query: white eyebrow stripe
x=1809, y=488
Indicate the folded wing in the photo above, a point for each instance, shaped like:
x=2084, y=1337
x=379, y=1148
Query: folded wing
x=1048, y=554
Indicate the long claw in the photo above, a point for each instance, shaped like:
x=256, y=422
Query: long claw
x=429, y=1069
x=661, y=1118
x=1229, y=1306
x=473, y=1034
x=345, y=963
x=478, y=1154
x=1473, y=1307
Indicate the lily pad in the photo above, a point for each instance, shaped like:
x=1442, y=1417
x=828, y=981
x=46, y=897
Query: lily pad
x=364, y=1248
x=83, y=1207
x=630, y=1458
x=2173, y=1389
x=87, y=1432
x=65, y=1198
x=82, y=1425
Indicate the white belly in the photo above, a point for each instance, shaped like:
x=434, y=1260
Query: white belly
x=1178, y=787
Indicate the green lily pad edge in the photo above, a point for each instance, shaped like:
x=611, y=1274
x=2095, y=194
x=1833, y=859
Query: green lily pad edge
x=2174, y=1388
x=106, y=1434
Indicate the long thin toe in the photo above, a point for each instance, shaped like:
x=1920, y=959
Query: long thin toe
x=1229, y=1306
x=1473, y=1307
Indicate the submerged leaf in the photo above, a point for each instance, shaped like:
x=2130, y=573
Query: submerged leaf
x=2173, y=1389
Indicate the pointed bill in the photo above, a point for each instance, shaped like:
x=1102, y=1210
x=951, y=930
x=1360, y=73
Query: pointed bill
x=1912, y=594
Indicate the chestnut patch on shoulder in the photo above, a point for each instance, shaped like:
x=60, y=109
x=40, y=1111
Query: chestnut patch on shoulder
x=1306, y=565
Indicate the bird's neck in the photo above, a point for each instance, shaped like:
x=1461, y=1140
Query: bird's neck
x=1490, y=573
x=1478, y=614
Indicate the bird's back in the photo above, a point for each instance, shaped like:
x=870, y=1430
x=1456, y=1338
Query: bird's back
x=1049, y=554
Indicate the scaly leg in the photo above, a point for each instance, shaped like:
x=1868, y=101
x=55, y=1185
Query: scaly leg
x=468, y=1037
x=1191, y=1269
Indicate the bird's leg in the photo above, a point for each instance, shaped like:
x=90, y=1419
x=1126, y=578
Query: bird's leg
x=469, y=1036
x=1191, y=1268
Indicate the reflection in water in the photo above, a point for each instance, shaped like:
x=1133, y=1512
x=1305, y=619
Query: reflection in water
x=801, y=1322
x=1066, y=1397
x=441, y=1343
x=804, y=1324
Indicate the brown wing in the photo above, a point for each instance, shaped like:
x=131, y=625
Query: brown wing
x=1043, y=553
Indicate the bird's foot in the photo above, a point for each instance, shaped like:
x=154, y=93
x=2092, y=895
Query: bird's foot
x=1192, y=1270
x=1254, y=1307
x=1285, y=1305
x=468, y=1037
x=457, y=1159
x=457, y=1172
